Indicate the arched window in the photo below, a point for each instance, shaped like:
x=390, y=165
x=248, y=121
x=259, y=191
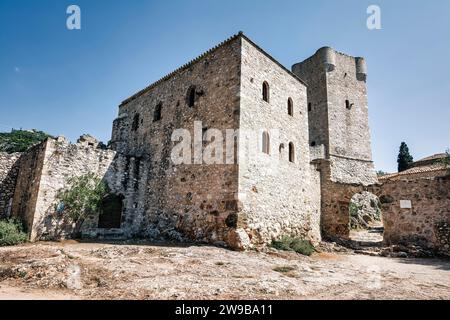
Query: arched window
x=265, y=91
x=157, y=115
x=291, y=152
x=290, y=107
x=191, y=96
x=266, y=142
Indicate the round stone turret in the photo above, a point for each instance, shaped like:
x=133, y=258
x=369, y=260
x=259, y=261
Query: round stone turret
x=328, y=58
x=361, y=69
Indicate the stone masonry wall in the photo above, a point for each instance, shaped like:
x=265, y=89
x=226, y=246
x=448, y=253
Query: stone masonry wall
x=313, y=72
x=162, y=199
x=427, y=221
x=43, y=171
x=27, y=186
x=278, y=197
x=62, y=161
x=333, y=79
x=8, y=178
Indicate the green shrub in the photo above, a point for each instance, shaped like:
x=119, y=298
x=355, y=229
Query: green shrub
x=83, y=198
x=11, y=232
x=298, y=245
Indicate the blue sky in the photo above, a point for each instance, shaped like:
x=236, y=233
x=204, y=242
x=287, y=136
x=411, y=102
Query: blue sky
x=71, y=82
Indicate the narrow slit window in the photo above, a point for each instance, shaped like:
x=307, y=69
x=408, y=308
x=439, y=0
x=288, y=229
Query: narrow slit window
x=135, y=124
x=191, y=96
x=290, y=107
x=291, y=152
x=266, y=142
x=265, y=91
x=157, y=115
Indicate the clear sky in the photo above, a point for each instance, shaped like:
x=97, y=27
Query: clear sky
x=71, y=82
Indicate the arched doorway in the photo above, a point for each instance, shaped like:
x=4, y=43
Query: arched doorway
x=366, y=220
x=111, y=212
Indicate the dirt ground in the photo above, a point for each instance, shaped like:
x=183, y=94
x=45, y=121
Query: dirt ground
x=72, y=270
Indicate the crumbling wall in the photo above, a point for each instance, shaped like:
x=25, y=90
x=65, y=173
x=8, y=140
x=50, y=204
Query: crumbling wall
x=63, y=161
x=29, y=176
x=8, y=178
x=43, y=171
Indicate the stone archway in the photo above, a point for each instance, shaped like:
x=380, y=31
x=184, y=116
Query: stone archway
x=366, y=220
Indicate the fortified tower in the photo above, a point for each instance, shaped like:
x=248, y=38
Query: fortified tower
x=338, y=114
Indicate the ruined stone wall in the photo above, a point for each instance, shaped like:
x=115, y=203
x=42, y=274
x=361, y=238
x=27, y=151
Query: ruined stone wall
x=8, y=178
x=27, y=187
x=43, y=171
x=178, y=201
x=427, y=221
x=63, y=161
x=279, y=197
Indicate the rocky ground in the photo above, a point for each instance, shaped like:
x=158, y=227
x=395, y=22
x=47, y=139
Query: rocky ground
x=72, y=270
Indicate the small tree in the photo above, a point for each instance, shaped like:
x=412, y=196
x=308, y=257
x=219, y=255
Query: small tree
x=404, y=159
x=82, y=199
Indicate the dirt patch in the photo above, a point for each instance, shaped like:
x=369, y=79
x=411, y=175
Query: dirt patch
x=144, y=271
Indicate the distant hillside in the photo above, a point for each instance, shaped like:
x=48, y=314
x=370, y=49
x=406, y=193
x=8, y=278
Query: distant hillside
x=20, y=140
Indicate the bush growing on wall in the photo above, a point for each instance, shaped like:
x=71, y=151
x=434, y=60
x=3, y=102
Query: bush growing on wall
x=83, y=198
x=11, y=232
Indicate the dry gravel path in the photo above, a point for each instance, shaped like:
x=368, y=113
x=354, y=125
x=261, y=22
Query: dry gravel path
x=72, y=270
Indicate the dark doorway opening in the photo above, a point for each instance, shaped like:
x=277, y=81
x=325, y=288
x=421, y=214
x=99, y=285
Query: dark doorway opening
x=111, y=212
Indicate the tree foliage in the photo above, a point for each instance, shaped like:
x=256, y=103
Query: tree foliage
x=404, y=159
x=83, y=198
x=20, y=141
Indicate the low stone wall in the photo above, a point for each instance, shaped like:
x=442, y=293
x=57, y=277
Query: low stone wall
x=8, y=178
x=416, y=210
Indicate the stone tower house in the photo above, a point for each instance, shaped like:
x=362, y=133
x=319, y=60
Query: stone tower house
x=266, y=152
x=261, y=196
x=285, y=120
x=338, y=113
x=339, y=127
